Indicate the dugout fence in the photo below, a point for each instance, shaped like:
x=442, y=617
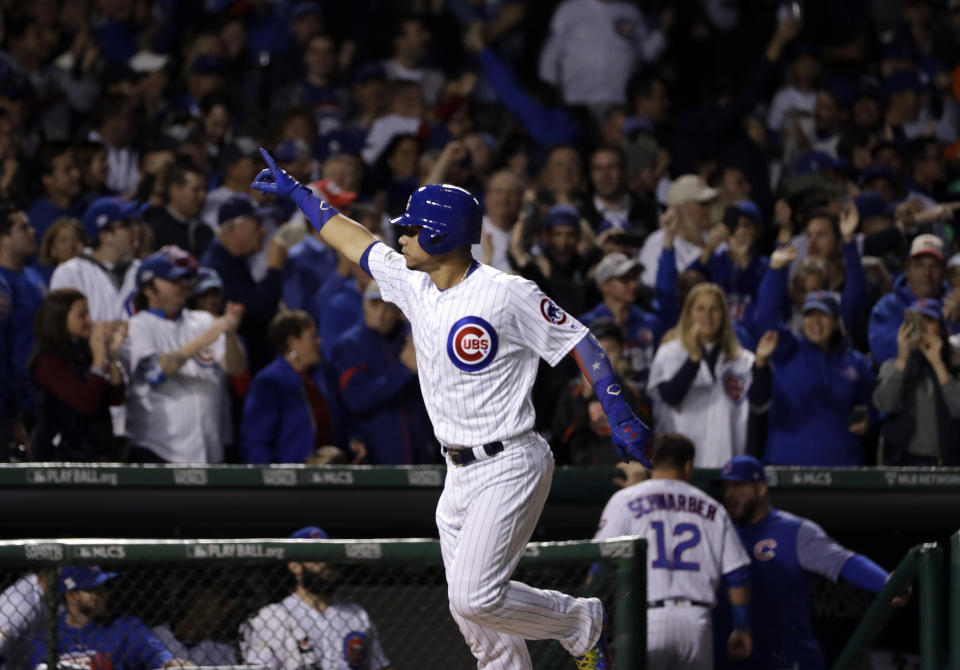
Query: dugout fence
x=196, y=596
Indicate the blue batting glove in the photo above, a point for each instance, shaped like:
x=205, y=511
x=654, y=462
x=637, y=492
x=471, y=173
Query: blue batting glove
x=630, y=436
x=275, y=181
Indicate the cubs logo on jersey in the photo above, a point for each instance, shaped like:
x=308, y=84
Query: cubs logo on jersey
x=355, y=649
x=206, y=357
x=552, y=313
x=472, y=344
x=734, y=386
x=764, y=550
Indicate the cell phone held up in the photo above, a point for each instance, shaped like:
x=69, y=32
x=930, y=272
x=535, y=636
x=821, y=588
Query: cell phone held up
x=913, y=322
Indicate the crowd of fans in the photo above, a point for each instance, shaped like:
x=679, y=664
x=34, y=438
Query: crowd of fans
x=749, y=203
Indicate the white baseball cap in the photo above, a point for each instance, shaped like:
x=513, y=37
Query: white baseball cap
x=614, y=265
x=690, y=188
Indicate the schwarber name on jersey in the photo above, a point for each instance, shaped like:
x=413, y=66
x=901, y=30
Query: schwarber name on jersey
x=691, y=541
x=478, y=345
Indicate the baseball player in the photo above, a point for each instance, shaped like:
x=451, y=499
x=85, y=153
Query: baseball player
x=786, y=552
x=478, y=335
x=309, y=628
x=88, y=637
x=691, y=542
x=106, y=273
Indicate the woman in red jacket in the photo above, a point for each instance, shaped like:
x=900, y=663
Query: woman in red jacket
x=76, y=377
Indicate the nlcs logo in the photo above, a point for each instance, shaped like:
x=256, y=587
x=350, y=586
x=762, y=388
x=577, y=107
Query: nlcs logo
x=472, y=344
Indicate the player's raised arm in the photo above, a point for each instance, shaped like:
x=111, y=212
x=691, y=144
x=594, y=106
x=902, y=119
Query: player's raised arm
x=340, y=232
x=628, y=433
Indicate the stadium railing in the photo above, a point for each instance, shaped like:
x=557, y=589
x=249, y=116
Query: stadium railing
x=925, y=562
x=400, y=583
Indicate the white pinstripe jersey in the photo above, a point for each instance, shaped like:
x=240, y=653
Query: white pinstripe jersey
x=478, y=345
x=691, y=541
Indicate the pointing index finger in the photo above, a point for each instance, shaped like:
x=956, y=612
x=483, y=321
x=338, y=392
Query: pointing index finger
x=272, y=164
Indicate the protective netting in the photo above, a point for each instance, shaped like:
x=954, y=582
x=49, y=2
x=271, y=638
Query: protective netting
x=273, y=614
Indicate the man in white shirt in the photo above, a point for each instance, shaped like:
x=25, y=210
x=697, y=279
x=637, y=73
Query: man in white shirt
x=410, y=41
x=310, y=628
x=593, y=47
x=177, y=361
x=105, y=272
x=502, y=204
x=690, y=198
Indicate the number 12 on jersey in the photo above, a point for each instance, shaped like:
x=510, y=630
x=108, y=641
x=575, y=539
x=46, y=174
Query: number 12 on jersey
x=675, y=561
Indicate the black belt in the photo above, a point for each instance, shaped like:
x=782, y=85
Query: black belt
x=663, y=603
x=466, y=456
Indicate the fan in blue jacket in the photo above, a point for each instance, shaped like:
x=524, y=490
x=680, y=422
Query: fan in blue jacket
x=820, y=391
x=289, y=411
x=923, y=278
x=377, y=370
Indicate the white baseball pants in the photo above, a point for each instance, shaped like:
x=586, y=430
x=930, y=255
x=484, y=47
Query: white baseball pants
x=485, y=516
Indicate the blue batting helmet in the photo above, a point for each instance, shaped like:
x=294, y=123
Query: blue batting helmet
x=448, y=216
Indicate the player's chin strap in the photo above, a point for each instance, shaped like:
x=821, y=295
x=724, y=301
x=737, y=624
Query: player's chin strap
x=629, y=434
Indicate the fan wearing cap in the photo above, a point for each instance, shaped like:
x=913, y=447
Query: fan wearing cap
x=177, y=360
x=239, y=169
x=560, y=270
x=87, y=636
x=690, y=198
x=787, y=555
x=311, y=627
x=818, y=392
x=922, y=278
x=376, y=369
x=919, y=392
x=842, y=269
x=241, y=235
x=106, y=272
x=616, y=276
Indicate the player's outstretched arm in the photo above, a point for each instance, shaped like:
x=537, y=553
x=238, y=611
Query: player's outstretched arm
x=740, y=642
x=628, y=433
x=339, y=231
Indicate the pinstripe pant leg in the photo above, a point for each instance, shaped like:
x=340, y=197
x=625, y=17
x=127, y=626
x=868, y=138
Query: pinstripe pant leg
x=499, y=502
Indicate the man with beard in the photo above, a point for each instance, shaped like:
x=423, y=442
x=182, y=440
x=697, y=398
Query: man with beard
x=787, y=553
x=88, y=637
x=310, y=628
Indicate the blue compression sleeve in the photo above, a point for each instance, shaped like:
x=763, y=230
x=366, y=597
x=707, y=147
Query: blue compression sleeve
x=316, y=210
x=596, y=367
x=741, y=616
x=863, y=572
x=741, y=613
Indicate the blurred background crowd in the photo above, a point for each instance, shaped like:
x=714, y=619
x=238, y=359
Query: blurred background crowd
x=751, y=203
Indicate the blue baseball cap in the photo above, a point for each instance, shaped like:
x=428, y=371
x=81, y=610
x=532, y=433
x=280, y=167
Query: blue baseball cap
x=236, y=206
x=815, y=161
x=742, y=469
x=104, y=211
x=303, y=8
x=207, y=279
x=562, y=215
x=900, y=81
x=874, y=171
x=170, y=263
x=309, y=533
x=369, y=72
x=871, y=204
x=824, y=301
x=83, y=577
x=291, y=150
x=928, y=307
x=749, y=210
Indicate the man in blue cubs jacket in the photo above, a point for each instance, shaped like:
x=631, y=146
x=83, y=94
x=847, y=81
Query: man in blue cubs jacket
x=787, y=553
x=88, y=637
x=376, y=366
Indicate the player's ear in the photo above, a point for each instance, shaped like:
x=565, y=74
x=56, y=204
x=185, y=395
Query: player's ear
x=762, y=490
